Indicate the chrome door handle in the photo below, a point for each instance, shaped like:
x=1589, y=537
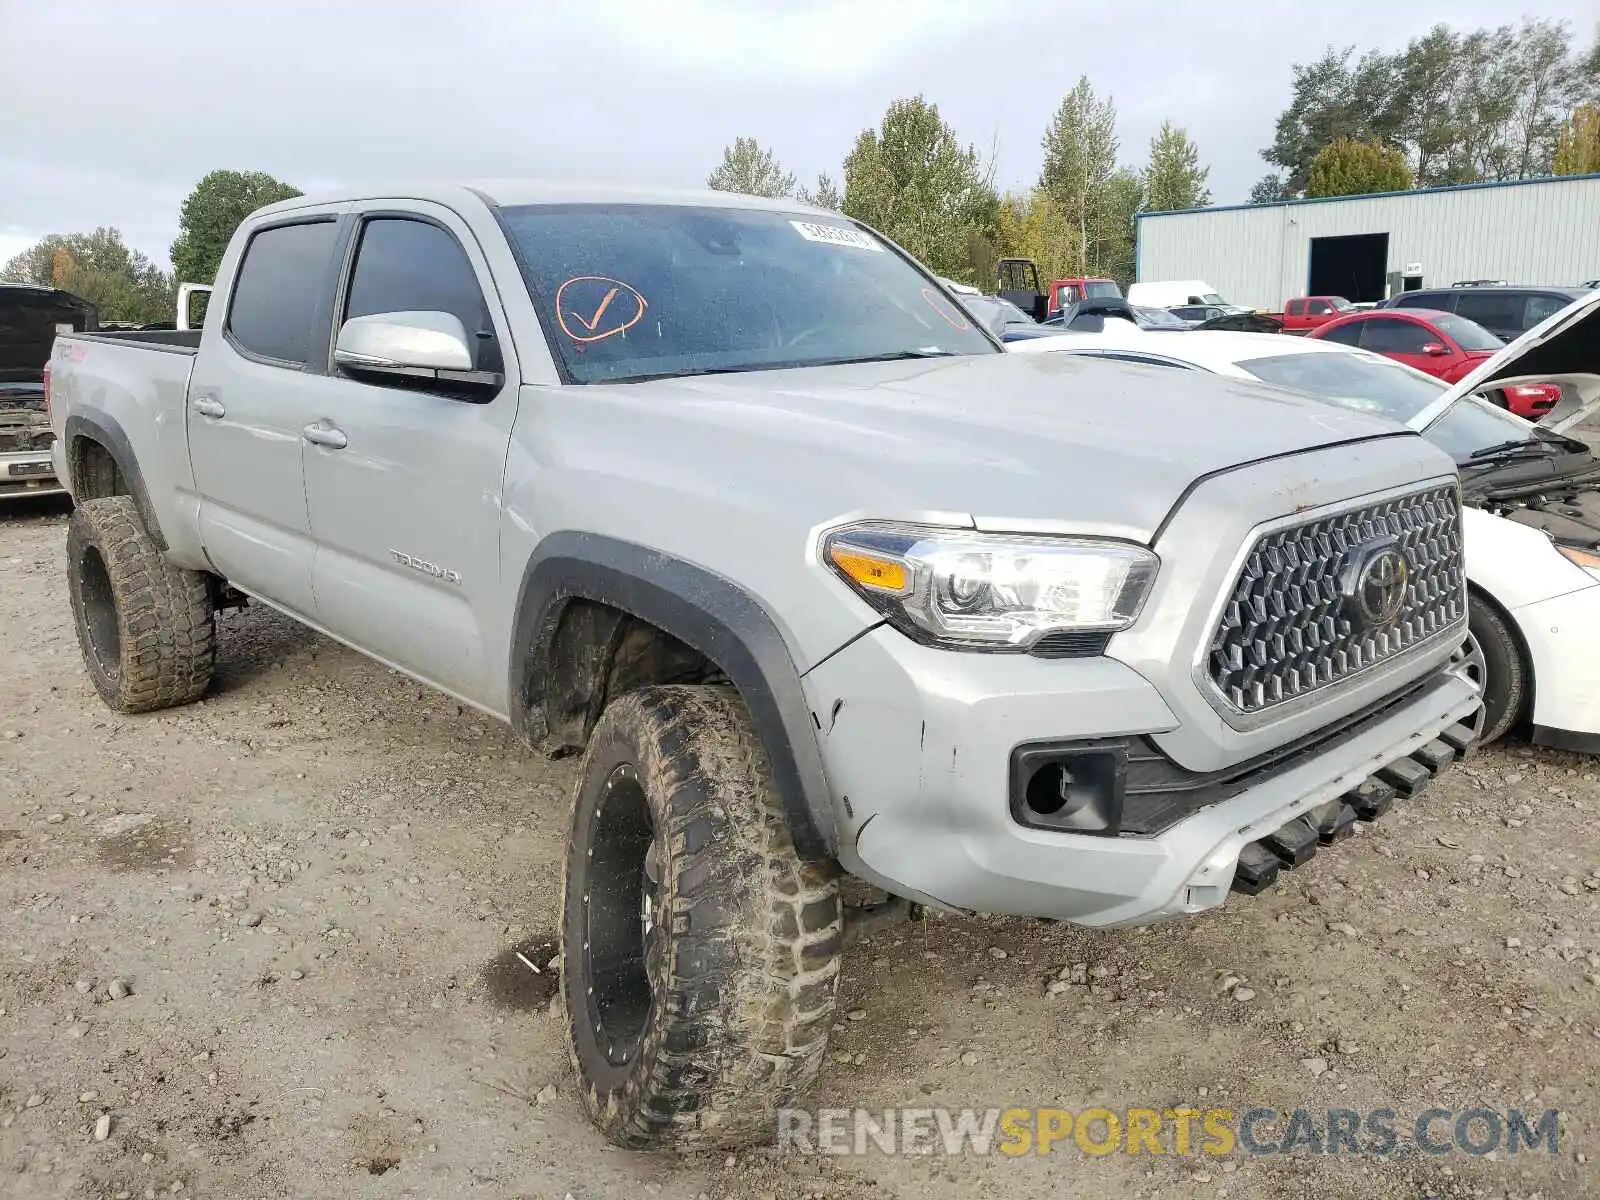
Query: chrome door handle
x=323, y=434
x=208, y=406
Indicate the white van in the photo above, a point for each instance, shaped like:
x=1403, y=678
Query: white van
x=1173, y=292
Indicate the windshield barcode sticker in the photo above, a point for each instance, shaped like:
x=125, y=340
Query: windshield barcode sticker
x=835, y=235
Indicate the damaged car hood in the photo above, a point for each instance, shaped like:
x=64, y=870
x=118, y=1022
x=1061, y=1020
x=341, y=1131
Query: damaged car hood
x=1564, y=349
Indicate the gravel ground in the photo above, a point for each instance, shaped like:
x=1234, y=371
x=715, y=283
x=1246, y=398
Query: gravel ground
x=266, y=946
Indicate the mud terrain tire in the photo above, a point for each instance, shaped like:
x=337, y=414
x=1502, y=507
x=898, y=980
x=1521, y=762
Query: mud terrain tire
x=695, y=1028
x=145, y=627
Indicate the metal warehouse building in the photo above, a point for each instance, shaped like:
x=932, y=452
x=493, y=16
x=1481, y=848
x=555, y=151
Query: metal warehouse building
x=1370, y=247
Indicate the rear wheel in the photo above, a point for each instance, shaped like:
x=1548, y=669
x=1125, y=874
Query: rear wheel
x=700, y=953
x=1494, y=658
x=145, y=627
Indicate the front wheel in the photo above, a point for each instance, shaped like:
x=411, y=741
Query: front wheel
x=1494, y=661
x=700, y=953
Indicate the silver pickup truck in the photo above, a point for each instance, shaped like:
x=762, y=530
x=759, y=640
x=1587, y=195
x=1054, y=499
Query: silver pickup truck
x=732, y=496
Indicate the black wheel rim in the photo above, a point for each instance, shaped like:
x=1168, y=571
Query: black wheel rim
x=99, y=606
x=620, y=916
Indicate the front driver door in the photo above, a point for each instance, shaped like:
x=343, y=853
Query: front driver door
x=403, y=476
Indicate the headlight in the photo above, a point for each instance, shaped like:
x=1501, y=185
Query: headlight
x=1587, y=559
x=990, y=591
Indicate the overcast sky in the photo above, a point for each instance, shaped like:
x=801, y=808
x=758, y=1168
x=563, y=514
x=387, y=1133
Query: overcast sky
x=110, y=110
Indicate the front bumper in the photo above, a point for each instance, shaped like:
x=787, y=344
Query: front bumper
x=1563, y=639
x=917, y=743
x=28, y=473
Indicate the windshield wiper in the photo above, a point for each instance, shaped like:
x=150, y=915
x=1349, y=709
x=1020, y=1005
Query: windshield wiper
x=1534, y=447
x=891, y=356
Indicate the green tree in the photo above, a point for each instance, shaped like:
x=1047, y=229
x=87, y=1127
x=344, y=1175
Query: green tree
x=1080, y=158
x=826, y=195
x=1331, y=99
x=1578, y=143
x=1125, y=196
x=216, y=207
x=123, y=285
x=914, y=180
x=1267, y=190
x=750, y=168
x=1034, y=226
x=1175, y=179
x=1461, y=106
x=1352, y=168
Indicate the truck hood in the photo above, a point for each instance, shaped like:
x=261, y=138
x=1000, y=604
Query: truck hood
x=1006, y=441
x=1564, y=349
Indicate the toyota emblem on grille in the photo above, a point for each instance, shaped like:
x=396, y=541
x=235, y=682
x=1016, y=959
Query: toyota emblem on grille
x=1374, y=582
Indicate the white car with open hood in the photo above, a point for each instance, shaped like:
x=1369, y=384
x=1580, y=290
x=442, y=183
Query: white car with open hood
x=1532, y=521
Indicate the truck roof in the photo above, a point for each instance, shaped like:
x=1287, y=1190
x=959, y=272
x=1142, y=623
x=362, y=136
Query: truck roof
x=508, y=192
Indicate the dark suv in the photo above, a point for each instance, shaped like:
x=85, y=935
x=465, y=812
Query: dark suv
x=1507, y=311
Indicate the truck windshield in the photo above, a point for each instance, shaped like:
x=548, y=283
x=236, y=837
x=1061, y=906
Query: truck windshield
x=1102, y=287
x=632, y=292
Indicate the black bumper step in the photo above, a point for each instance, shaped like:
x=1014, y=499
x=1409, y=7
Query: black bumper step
x=1371, y=799
x=1435, y=755
x=1257, y=870
x=1333, y=821
x=1295, y=843
x=1409, y=777
x=1460, y=739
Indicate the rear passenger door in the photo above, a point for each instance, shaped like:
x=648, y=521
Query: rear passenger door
x=1403, y=340
x=1501, y=313
x=406, y=511
x=247, y=402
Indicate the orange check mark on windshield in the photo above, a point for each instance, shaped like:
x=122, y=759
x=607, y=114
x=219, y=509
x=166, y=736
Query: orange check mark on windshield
x=599, y=312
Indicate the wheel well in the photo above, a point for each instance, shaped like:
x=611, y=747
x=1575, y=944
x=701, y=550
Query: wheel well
x=596, y=653
x=95, y=474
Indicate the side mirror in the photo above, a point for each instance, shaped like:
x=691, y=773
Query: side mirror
x=1436, y=349
x=417, y=344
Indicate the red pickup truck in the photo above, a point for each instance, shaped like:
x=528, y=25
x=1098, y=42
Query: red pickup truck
x=1019, y=283
x=1312, y=312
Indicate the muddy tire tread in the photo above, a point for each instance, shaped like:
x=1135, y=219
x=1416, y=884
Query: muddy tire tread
x=748, y=982
x=164, y=613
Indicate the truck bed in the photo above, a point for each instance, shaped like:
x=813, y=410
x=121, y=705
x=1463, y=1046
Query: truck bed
x=129, y=389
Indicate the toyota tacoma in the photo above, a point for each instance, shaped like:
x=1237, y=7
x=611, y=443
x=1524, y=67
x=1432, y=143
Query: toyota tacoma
x=732, y=497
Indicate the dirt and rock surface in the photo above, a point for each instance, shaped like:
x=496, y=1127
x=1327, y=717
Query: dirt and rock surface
x=271, y=945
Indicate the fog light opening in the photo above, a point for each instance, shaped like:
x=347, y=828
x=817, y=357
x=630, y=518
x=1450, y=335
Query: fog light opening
x=1051, y=790
x=1076, y=791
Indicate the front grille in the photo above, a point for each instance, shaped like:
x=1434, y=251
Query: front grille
x=1291, y=625
x=22, y=440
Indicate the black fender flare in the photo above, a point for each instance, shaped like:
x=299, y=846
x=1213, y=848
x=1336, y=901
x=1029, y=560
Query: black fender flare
x=108, y=433
x=707, y=612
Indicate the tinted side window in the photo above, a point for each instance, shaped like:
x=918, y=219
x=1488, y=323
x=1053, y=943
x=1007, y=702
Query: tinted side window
x=1542, y=308
x=1395, y=336
x=1423, y=300
x=1293, y=308
x=1346, y=335
x=1493, y=310
x=412, y=266
x=275, y=295
x=1318, y=308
